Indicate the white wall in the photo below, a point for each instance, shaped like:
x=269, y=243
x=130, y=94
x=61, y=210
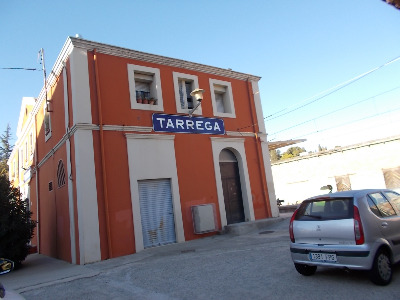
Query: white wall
x=298, y=179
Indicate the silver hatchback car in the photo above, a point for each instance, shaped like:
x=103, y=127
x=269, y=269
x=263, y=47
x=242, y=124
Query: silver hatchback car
x=352, y=229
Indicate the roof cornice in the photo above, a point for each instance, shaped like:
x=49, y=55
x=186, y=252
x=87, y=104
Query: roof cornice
x=158, y=59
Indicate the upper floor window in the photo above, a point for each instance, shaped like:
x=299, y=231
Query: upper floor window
x=222, y=98
x=26, y=151
x=47, y=121
x=184, y=84
x=21, y=158
x=31, y=143
x=145, y=88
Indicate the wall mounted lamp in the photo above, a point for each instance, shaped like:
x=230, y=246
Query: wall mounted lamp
x=198, y=95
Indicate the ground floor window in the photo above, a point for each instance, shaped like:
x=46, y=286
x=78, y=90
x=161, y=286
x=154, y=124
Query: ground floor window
x=158, y=226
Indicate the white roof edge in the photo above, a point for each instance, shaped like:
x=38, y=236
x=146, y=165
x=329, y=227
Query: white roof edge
x=158, y=59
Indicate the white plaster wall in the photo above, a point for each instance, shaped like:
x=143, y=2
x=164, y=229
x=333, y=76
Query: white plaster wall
x=301, y=178
x=153, y=157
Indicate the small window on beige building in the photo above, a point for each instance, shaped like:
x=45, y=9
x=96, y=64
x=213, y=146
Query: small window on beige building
x=392, y=178
x=343, y=183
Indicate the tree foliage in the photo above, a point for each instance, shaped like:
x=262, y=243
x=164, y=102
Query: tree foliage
x=322, y=148
x=16, y=226
x=5, y=150
x=290, y=153
x=275, y=155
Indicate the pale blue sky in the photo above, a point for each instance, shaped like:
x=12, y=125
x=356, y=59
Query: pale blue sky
x=299, y=48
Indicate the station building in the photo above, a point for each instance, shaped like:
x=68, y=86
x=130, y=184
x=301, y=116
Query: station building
x=115, y=155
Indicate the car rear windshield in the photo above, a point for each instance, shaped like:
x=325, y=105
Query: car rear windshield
x=325, y=209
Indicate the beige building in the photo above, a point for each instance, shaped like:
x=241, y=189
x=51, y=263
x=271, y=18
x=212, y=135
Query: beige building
x=374, y=164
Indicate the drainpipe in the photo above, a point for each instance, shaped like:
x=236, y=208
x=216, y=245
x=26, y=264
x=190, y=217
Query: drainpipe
x=103, y=162
x=258, y=147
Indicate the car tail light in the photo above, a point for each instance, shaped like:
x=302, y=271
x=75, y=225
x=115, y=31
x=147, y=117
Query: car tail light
x=291, y=226
x=358, y=228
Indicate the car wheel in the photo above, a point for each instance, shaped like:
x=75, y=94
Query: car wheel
x=305, y=270
x=381, y=272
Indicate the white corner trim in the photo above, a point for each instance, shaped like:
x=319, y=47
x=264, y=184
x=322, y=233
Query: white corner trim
x=68, y=172
x=86, y=198
x=258, y=106
x=270, y=180
x=80, y=87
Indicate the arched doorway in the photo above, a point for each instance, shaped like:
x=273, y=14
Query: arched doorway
x=231, y=186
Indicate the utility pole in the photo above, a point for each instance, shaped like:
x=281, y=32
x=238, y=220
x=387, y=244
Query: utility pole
x=42, y=62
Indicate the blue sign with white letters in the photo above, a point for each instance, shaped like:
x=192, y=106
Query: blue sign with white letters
x=187, y=124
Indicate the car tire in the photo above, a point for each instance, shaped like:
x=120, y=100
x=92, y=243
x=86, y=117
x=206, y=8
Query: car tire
x=305, y=270
x=381, y=272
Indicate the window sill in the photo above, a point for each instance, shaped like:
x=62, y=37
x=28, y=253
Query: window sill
x=144, y=106
x=224, y=115
x=47, y=136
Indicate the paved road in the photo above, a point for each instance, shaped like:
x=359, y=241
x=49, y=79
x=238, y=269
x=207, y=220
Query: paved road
x=251, y=266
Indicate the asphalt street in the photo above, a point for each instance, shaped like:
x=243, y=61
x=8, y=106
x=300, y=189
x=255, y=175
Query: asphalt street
x=256, y=265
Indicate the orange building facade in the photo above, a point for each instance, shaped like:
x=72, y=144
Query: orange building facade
x=117, y=161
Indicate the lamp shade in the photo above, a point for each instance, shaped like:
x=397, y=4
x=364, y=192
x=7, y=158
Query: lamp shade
x=197, y=94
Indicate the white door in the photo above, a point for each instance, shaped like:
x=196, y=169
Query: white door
x=157, y=214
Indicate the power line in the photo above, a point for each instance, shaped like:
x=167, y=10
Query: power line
x=330, y=91
x=348, y=123
x=337, y=110
x=25, y=69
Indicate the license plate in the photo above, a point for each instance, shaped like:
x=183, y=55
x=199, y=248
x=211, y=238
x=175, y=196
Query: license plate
x=324, y=257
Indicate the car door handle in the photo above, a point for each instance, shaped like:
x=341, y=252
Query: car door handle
x=385, y=224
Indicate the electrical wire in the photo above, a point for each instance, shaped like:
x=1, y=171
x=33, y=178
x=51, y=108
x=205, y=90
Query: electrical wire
x=337, y=110
x=351, y=122
x=324, y=94
x=25, y=69
x=330, y=91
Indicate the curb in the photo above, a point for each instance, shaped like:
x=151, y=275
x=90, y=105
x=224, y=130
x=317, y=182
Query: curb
x=247, y=227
